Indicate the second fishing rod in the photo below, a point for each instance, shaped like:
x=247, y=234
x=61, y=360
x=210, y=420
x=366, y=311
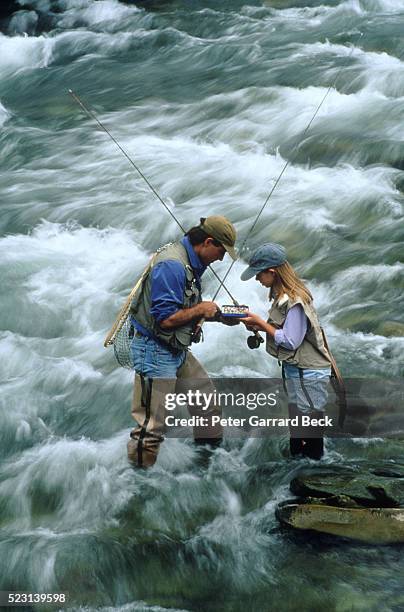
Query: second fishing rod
x=255, y=340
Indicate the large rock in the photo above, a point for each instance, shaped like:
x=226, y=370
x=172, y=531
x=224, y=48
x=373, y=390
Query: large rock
x=364, y=504
x=373, y=525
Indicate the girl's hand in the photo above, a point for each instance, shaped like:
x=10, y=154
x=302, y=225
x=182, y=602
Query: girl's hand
x=253, y=320
x=252, y=328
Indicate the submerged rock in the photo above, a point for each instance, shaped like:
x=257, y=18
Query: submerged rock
x=373, y=525
x=365, y=504
x=391, y=329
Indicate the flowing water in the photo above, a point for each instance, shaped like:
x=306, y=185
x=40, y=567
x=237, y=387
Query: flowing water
x=210, y=99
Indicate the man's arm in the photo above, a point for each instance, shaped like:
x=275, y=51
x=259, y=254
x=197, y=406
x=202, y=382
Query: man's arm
x=203, y=310
x=167, y=289
x=167, y=293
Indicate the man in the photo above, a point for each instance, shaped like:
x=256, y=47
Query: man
x=165, y=313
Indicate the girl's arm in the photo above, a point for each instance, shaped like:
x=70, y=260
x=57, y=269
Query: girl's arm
x=294, y=329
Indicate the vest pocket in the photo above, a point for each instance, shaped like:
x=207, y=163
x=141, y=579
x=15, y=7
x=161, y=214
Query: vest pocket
x=190, y=297
x=284, y=354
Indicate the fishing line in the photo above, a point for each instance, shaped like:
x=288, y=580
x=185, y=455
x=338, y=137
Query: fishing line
x=288, y=162
x=92, y=115
x=255, y=340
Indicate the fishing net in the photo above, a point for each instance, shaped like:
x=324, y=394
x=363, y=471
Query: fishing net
x=121, y=333
x=123, y=345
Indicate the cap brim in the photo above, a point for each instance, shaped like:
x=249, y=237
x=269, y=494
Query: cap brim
x=248, y=273
x=231, y=251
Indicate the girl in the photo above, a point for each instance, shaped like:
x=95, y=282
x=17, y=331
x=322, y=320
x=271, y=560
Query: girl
x=295, y=338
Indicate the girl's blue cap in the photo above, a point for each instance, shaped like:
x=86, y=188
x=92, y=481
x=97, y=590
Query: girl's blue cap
x=269, y=255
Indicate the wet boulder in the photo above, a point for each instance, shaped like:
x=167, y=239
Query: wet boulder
x=365, y=504
x=373, y=525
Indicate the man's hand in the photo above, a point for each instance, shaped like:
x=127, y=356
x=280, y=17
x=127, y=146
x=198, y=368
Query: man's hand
x=207, y=310
x=220, y=318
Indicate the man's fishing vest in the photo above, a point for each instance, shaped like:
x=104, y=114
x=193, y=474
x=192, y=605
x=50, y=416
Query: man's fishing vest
x=311, y=353
x=181, y=337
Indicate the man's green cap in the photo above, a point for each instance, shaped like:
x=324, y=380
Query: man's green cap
x=222, y=230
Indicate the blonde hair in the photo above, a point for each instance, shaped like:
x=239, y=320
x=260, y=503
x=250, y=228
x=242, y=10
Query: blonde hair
x=287, y=281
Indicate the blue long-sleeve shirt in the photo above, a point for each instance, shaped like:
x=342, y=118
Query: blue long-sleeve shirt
x=294, y=329
x=168, y=280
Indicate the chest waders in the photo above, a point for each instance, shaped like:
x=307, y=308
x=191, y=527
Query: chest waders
x=307, y=397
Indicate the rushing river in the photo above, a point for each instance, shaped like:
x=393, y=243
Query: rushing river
x=210, y=98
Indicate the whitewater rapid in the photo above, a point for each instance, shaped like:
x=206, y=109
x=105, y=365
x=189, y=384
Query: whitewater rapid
x=211, y=100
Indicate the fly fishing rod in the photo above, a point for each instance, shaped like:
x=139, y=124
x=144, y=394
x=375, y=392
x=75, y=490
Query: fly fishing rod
x=255, y=340
x=125, y=309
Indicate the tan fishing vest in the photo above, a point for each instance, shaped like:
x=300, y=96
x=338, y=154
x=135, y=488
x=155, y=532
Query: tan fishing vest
x=311, y=354
x=181, y=337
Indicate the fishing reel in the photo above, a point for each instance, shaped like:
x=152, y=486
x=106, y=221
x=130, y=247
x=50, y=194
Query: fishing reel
x=238, y=312
x=255, y=341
